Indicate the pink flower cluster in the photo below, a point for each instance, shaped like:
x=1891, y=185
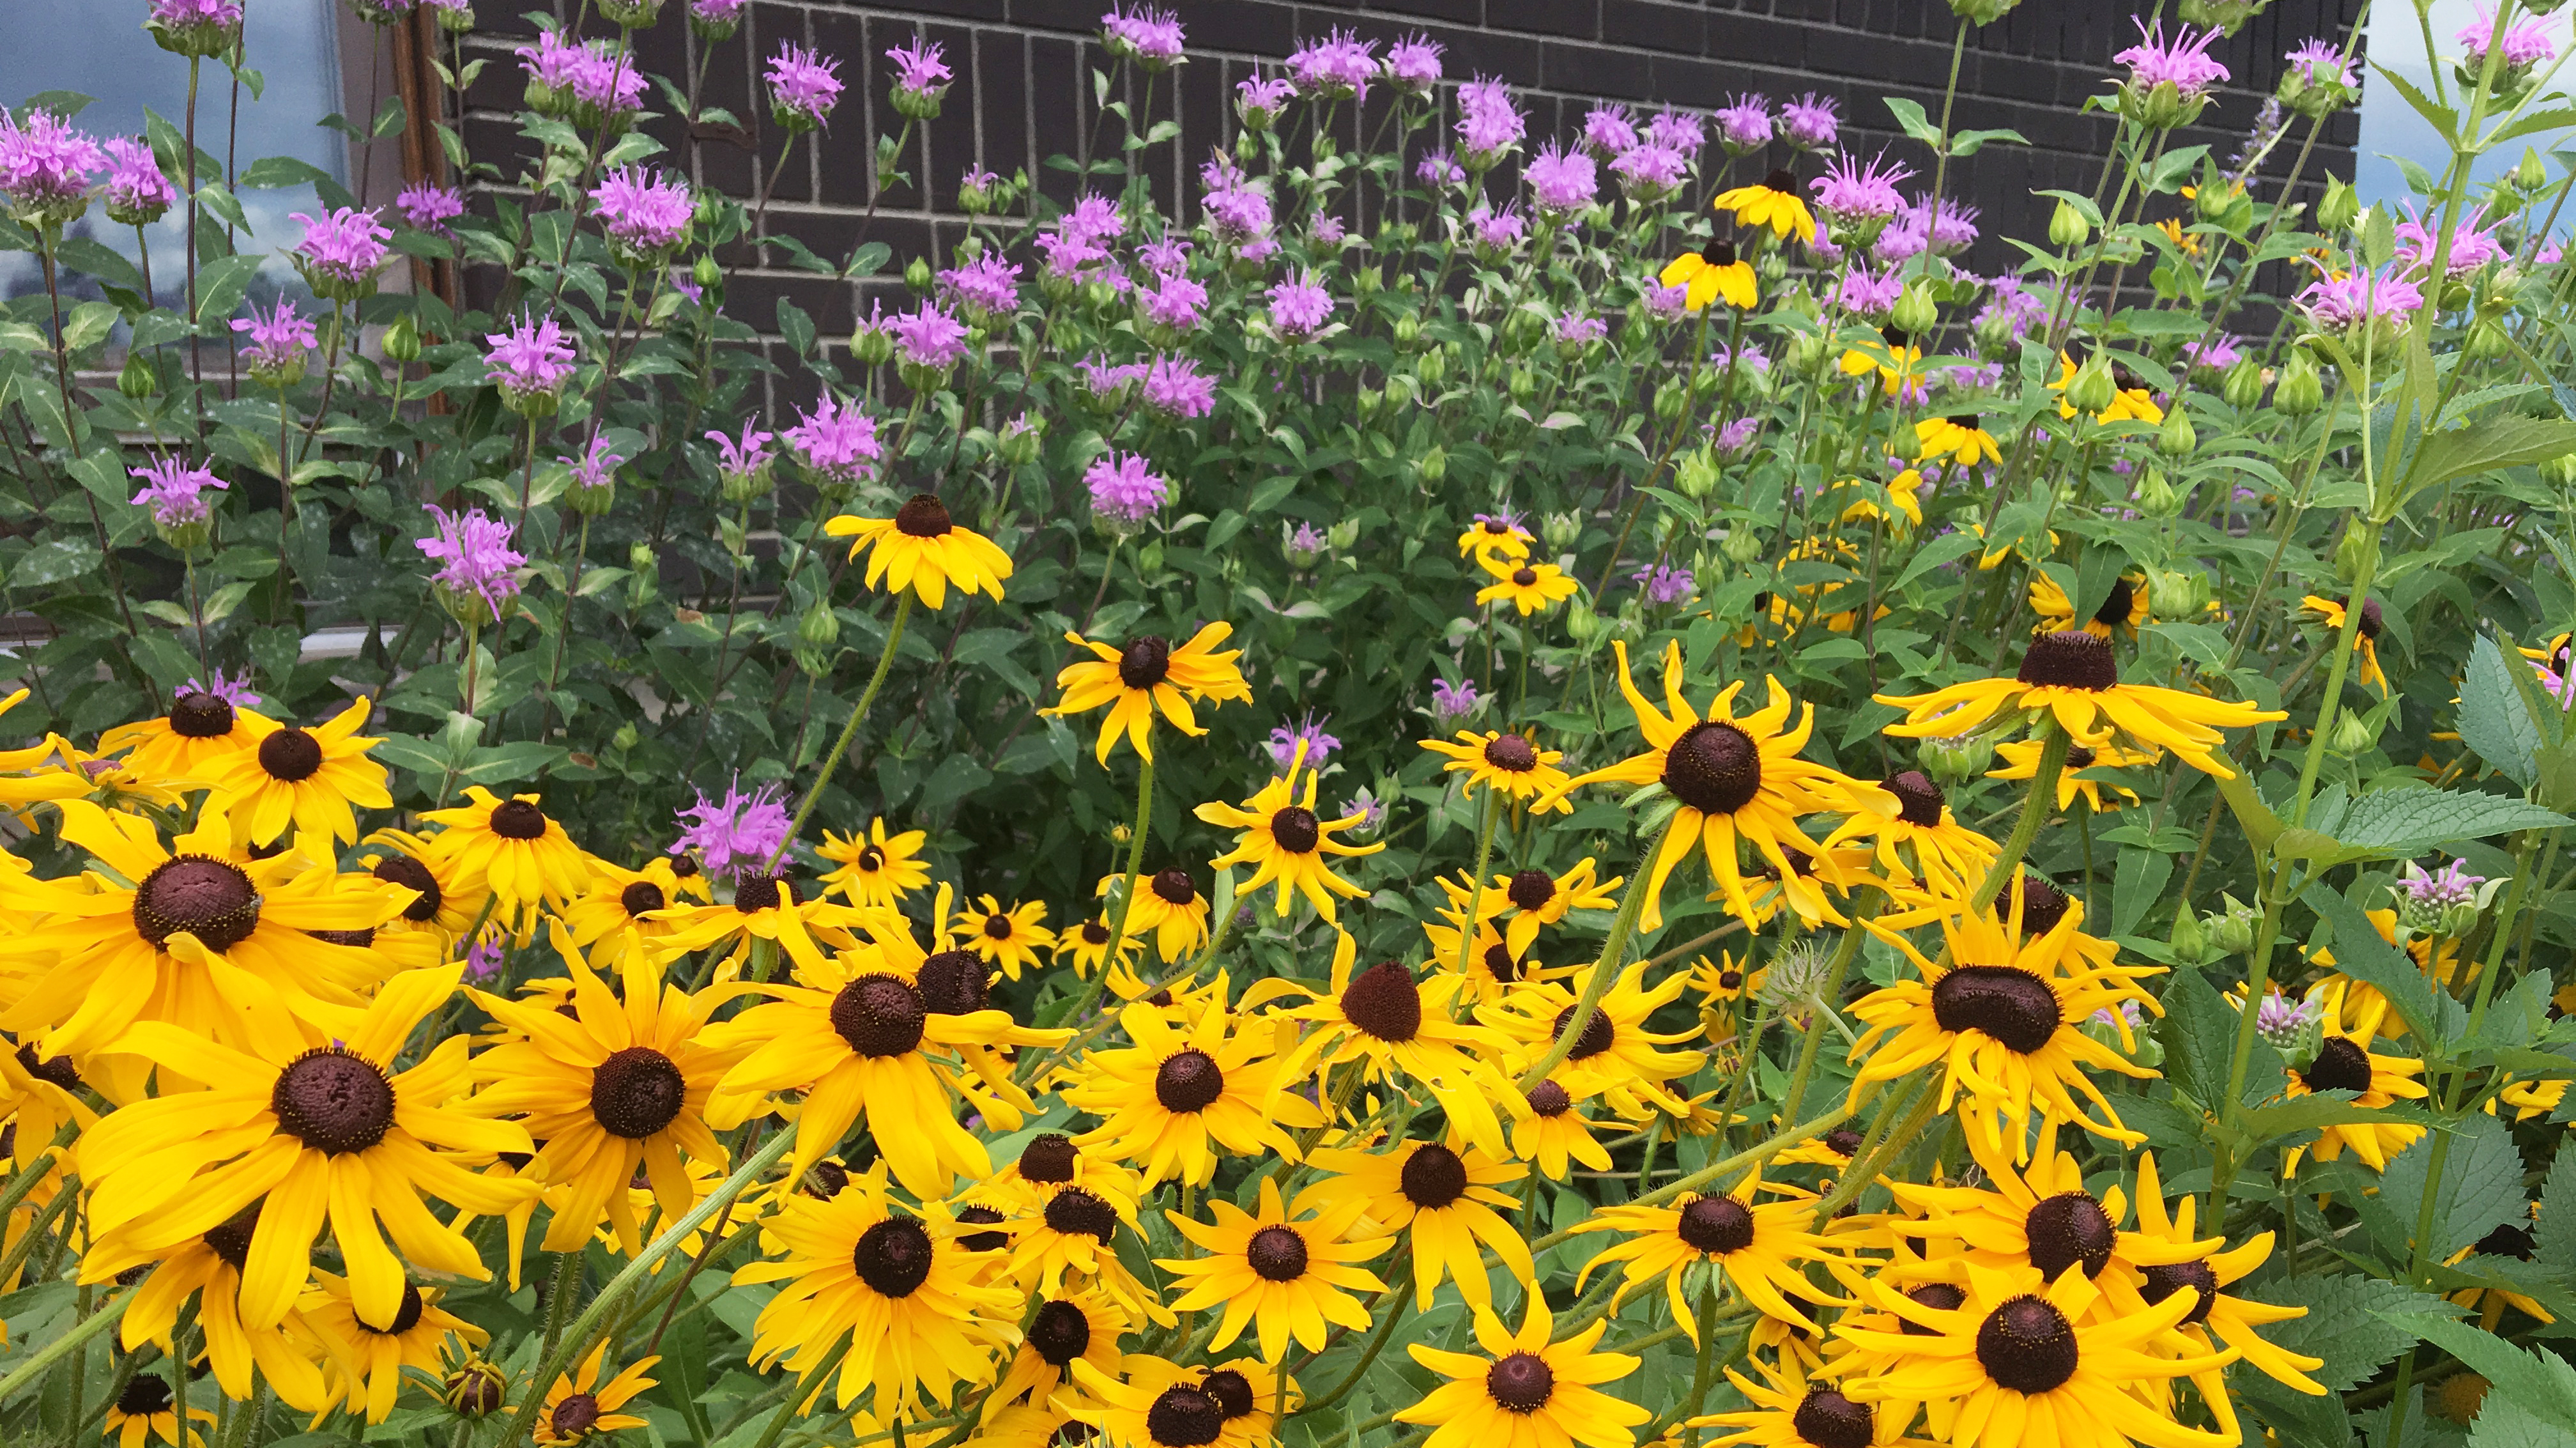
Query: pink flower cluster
x=474, y=556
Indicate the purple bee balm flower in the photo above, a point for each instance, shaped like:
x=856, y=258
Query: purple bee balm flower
x=532, y=360
x=596, y=468
x=2214, y=353
x=1953, y=226
x=1665, y=583
x=485, y=957
x=2339, y=304
x=921, y=74
x=1734, y=438
x=1744, y=123
x=1560, y=180
x=184, y=13
x=137, y=191
x=735, y=836
x=717, y=12
x=1869, y=296
x=741, y=459
x=1175, y=387
x=1497, y=230
x=986, y=284
x=1609, y=130
x=606, y=81
x=1649, y=172
x=1862, y=192
x=2013, y=308
x=803, y=87
x=1683, y=133
x=1261, y=99
x=645, y=213
x=2281, y=1018
x=1969, y=376
x=341, y=249
x=1576, y=329
x=1107, y=381
x=278, y=341
x=1307, y=547
x=474, y=556
x=1238, y=210
x=233, y=689
x=2450, y=885
x=176, y=492
x=1751, y=359
x=1811, y=122
x=1340, y=64
x=1123, y=489
x=2184, y=62
x=1309, y=732
x=2321, y=62
x=1299, y=308
x=2525, y=45
x=1490, y=123
x=837, y=443
x=425, y=207
x=1666, y=303
x=1413, y=64
x=45, y=165
x=2471, y=248
x=1173, y=301
x=1438, y=168
x=1327, y=230
x=928, y=338
x=551, y=62
x=1070, y=258
x=1151, y=36
x=1452, y=703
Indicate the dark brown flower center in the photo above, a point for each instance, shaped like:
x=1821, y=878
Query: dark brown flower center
x=1549, y=1099
x=2117, y=606
x=1049, y=1157
x=1232, y=1391
x=1078, y=1213
x=1843, y=1142
x=1433, y=1177
x=641, y=898
x=406, y=1315
x=1145, y=662
x=879, y=1015
x=1716, y=1225
x=1714, y=768
x=575, y=1415
x=2079, y=757
x=1059, y=1332
x=1718, y=253
x=55, y=1071
x=922, y=516
x=1189, y=1081
x=1964, y=421
x=684, y=867
x=2372, y=621
x=1294, y=829
x=1520, y=1383
x=1598, y=1034
x=208, y=898
x=1896, y=338
x=2164, y=1280
x=2043, y=905
x=1730, y=980
x=1940, y=1297
x=334, y=1101
x=753, y=893
x=359, y=938
x=2070, y=660
x=1499, y=962
x=516, y=819
x=1827, y=1419
x=2508, y=1241
x=2341, y=1065
x=871, y=859
x=230, y=1242
x=1512, y=752
x=291, y=755
x=636, y=1092
x=954, y=983
x=2067, y=1230
x=983, y=1241
x=2027, y=1345
x=1532, y=889
x=1173, y=887
x=1095, y=933
x=826, y=1179
x=997, y=927
x=2004, y=1001
x=1385, y=1001
x=1783, y=181
x=1277, y=1254
x=893, y=1257
x=1524, y=577
x=200, y=716
x=145, y=1395
x=1184, y=1417
x=477, y=1390
x=1918, y=799
x=411, y=874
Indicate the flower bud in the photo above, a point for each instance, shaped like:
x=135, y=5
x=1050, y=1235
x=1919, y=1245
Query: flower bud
x=1742, y=547
x=1670, y=400
x=2176, y=439
x=1560, y=531
x=2092, y=388
x=626, y=738
x=916, y=274
x=1956, y=761
x=1433, y=367
x=1433, y=465
x=2156, y=497
x=1018, y=442
x=2486, y=339
x=871, y=345
x=2231, y=931
x=2352, y=736
x=631, y=14
x=2177, y=594
x=2348, y=550
x=138, y=381
x=1343, y=534
x=1915, y=312
x=1697, y=474
x=820, y=626
x=2299, y=390
x=1303, y=547
x=2533, y=173
x=2067, y=227
x=1408, y=331
x=2242, y=387
x=2559, y=472
x=402, y=340
x=1581, y=624
x=2189, y=941
x=1523, y=385
x=2339, y=208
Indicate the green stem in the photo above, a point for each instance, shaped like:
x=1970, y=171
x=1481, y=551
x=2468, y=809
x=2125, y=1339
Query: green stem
x=1826, y=995
x=1613, y=953
x=34, y=1368
x=2036, y=807
x=841, y=745
x=796, y=1400
x=1476, y=882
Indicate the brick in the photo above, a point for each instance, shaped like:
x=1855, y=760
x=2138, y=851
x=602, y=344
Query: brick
x=1579, y=19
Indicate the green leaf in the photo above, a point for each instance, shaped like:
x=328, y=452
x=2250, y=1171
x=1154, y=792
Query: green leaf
x=1969, y=143
x=55, y=561
x=2481, y=1186
x=2440, y=117
x=2554, y=1235
x=2494, y=720
x=2345, y=1324
x=2395, y=823
x=1910, y=116
x=2504, y=1423
x=2486, y=445
x=2360, y=953
x=2198, y=1033
x=411, y=752
x=2540, y=1384
x=88, y=325
x=518, y=759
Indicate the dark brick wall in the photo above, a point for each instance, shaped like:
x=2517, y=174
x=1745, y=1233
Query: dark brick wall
x=1024, y=92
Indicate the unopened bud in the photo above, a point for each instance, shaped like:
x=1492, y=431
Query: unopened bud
x=820, y=625
x=2352, y=735
x=626, y=738
x=1017, y=443
x=2231, y=930
x=2242, y=387
x=1434, y=464
x=138, y=380
x=2299, y=390
x=1742, y=547
x=2339, y=208
x=1581, y=624
x=705, y=273
x=1914, y=311
x=1697, y=475
x=2156, y=496
x=1560, y=531
x=1956, y=761
x=2067, y=227
x=1343, y=534
x=2092, y=388
x=2560, y=472
x=2533, y=173
x=1670, y=400
x=2176, y=439
x=2189, y=940
x=402, y=340
x=916, y=275
x=2486, y=339
x=2348, y=550
x=1408, y=330
x=2177, y=594
x=1433, y=367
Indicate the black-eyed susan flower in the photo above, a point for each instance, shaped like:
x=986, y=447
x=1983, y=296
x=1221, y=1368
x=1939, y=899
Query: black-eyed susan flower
x=1526, y=1389
x=2102, y=796
x=2038, y=1214
x=2001, y=1013
x=1085, y=947
x=145, y=1409
x=1448, y=1198
x=875, y=869
x=1774, y=201
x=922, y=549
x=1149, y=674
x=2073, y=678
x=1169, y=907
x=1526, y=586
x=1959, y=440
x=1732, y=780
x=1388, y=1022
x=1152, y=1402
x=897, y=1283
x=622, y=916
x=1713, y=273
x=1903, y=495
x=579, y=1406
x=1490, y=968
x=1791, y=1409
x=317, y=1125
x=1284, y=1271
x=2123, y=609
x=1615, y=1056
x=1723, y=985
x=1081, y=1326
x=1495, y=535
x=2131, y=399
x=368, y=1361
x=444, y=904
x=2329, y=614
x=1527, y=900
x=613, y=1088
x=1761, y=1247
x=289, y=779
x=2230, y=1320
x=1512, y=763
x=2346, y=1062
x=1189, y=1092
x=209, y=1267
x=1010, y=938
x=1551, y=1130
x=1922, y=840
x=201, y=728
x=1808, y=887
x=1287, y=843
x=512, y=848
x=1065, y=1209
x=1899, y=370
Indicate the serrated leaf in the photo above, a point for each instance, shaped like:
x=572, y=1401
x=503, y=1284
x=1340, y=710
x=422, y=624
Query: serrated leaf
x=2395, y=823
x=2345, y=1324
x=2486, y=445
x=2494, y=720
x=2504, y=1423
x=2198, y=1032
x=2554, y=1235
x=2541, y=1385
x=2481, y=1187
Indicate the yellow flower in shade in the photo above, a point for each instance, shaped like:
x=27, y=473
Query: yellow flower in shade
x=1759, y=1247
x=578, y=1405
x=1713, y=273
x=1446, y=1194
x=1733, y=779
x=1387, y=1022
x=38, y=1098
x=2001, y=1014
x=315, y=1124
x=1553, y=1131
x=512, y=848
x=1532, y=898
x=771, y=908
x=922, y=549
x=1526, y=1391
x=1495, y=536
x=1281, y=1271
x=146, y=1410
x=1188, y=1092
x=616, y=1087
x=1511, y=763
x=210, y=1267
x=1146, y=675
x=898, y=1284
x=2102, y=796
x=2039, y=1215
x=1790, y=1410
x=1079, y=1327
x=2365, y=642
x=2019, y=1363
x=200, y=729
x=1529, y=587
x=416, y=1338
x=2132, y=401
x=1803, y=887
x=1064, y=1207
x=875, y=869
x=2513, y=1240
x=1922, y=840
x=1615, y=1057
x=201, y=925
x=1723, y=986
x=1287, y=844
x=1958, y=441
x=1775, y=202
x=622, y=916
x=1169, y=907
x=1008, y=938
x=57, y=769
x=2124, y=608
x=1491, y=969
x=1904, y=494
x=2346, y=1062
x=1897, y=370
x=1085, y=947
x=444, y=906
x=294, y=779
x=1153, y=1403
x=2231, y=1320
x=2073, y=678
